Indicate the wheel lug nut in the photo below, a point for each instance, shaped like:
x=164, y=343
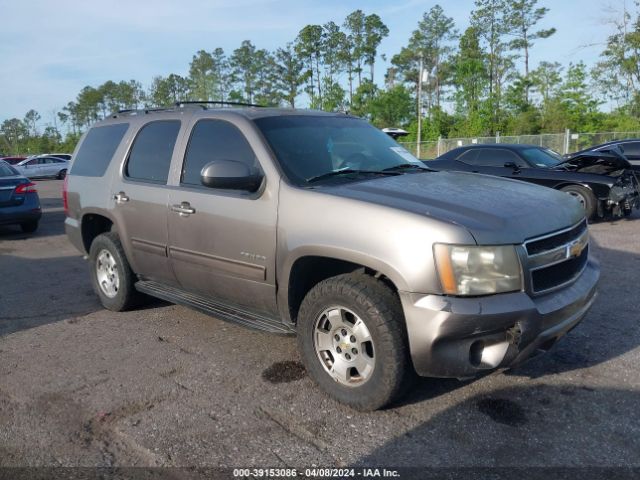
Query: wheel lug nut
x=344, y=332
x=337, y=337
x=354, y=351
x=352, y=339
x=338, y=349
x=347, y=356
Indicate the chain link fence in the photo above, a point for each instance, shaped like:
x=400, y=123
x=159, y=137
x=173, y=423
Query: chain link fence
x=567, y=142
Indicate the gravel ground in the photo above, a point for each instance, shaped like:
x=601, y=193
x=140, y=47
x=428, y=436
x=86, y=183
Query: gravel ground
x=167, y=386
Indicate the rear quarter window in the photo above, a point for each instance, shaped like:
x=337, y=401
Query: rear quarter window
x=6, y=170
x=468, y=156
x=97, y=150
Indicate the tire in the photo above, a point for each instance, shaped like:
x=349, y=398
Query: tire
x=29, y=227
x=62, y=174
x=111, y=276
x=586, y=198
x=384, y=360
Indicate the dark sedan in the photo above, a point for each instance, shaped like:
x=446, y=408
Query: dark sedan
x=629, y=147
x=19, y=201
x=603, y=182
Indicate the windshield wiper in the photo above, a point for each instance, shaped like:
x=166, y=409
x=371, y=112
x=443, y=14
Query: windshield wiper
x=347, y=171
x=406, y=166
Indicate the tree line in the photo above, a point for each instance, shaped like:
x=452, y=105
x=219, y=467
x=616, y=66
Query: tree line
x=476, y=82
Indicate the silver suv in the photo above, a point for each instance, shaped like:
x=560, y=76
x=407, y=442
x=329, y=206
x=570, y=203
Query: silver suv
x=321, y=225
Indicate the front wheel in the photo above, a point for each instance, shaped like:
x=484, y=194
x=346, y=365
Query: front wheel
x=353, y=341
x=111, y=276
x=585, y=196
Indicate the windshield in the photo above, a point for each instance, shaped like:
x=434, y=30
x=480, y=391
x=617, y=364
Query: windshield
x=542, y=157
x=310, y=147
x=6, y=170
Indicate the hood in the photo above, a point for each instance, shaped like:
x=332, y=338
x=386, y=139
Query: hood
x=494, y=210
x=595, y=162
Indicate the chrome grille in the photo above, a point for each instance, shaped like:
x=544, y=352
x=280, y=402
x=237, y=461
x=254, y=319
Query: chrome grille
x=549, y=242
x=557, y=259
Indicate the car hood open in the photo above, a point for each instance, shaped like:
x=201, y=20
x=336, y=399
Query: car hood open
x=600, y=163
x=494, y=210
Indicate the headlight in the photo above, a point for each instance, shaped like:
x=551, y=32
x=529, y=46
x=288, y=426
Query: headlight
x=471, y=270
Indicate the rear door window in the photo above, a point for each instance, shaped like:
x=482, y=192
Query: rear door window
x=150, y=156
x=97, y=149
x=6, y=170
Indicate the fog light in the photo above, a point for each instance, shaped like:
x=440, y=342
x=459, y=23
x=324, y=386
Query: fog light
x=487, y=356
x=475, y=353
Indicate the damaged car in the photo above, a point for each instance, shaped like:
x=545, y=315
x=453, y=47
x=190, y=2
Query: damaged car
x=630, y=147
x=603, y=182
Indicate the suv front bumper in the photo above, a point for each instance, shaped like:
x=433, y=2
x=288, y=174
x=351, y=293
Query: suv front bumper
x=464, y=337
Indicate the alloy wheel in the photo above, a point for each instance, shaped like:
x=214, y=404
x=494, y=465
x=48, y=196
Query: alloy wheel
x=107, y=273
x=344, y=346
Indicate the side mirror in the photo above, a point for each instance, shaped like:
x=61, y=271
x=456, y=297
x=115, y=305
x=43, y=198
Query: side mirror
x=513, y=165
x=229, y=175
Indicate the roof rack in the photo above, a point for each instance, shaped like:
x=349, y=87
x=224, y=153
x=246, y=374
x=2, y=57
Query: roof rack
x=203, y=104
x=217, y=102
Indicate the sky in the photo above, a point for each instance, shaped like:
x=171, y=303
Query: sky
x=50, y=50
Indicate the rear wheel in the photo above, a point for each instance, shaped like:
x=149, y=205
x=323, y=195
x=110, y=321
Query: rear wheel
x=353, y=341
x=29, y=227
x=111, y=276
x=61, y=174
x=585, y=196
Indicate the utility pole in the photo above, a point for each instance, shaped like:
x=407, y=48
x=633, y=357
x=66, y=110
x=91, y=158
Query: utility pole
x=419, y=136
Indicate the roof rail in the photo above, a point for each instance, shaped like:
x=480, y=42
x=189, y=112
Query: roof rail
x=203, y=103
x=134, y=111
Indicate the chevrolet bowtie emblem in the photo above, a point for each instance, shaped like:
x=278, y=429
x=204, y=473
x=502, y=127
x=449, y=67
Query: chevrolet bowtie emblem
x=575, y=249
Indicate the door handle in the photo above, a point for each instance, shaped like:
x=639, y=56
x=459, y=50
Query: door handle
x=120, y=197
x=184, y=209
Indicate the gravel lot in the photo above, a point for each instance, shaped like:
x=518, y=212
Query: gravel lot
x=167, y=386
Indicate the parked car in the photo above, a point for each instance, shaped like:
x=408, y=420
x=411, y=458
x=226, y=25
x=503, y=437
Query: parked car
x=321, y=225
x=395, y=133
x=13, y=160
x=603, y=182
x=37, y=167
x=629, y=147
x=19, y=201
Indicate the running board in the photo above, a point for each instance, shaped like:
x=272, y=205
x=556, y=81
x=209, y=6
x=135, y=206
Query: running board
x=216, y=309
